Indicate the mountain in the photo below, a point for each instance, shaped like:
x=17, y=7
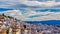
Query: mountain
x=49, y=22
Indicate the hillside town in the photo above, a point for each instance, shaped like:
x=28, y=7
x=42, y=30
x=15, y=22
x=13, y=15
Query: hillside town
x=10, y=25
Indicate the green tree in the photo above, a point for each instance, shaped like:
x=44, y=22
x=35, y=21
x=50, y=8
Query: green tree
x=10, y=17
x=3, y=15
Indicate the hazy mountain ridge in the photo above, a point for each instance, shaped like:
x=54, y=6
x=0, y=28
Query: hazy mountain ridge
x=49, y=22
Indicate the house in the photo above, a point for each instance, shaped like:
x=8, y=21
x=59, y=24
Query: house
x=15, y=30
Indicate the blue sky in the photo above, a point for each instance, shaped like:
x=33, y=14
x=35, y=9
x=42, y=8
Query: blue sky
x=30, y=8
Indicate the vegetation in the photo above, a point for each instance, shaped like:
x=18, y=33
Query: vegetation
x=3, y=15
x=10, y=17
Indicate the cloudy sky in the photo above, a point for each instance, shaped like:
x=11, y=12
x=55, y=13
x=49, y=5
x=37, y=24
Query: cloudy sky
x=30, y=9
x=29, y=3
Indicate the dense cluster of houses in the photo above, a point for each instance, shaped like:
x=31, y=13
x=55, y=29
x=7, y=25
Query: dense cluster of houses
x=9, y=25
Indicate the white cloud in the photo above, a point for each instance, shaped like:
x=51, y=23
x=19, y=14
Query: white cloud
x=18, y=14
x=28, y=3
x=41, y=15
x=43, y=4
x=7, y=3
x=50, y=16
